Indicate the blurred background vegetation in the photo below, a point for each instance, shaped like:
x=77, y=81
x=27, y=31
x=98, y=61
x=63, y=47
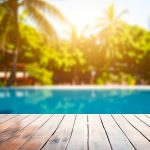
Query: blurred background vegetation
x=117, y=53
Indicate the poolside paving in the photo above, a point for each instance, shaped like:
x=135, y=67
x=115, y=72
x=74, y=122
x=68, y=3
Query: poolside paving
x=74, y=132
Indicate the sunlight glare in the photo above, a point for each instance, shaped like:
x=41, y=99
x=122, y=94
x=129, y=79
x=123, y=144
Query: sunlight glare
x=80, y=13
x=84, y=14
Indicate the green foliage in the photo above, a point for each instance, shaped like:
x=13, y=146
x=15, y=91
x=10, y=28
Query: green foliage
x=1, y=84
x=119, y=78
x=40, y=73
x=119, y=52
x=30, y=37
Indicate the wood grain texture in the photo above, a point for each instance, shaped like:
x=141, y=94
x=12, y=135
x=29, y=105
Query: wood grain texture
x=74, y=132
x=136, y=138
x=40, y=138
x=144, y=119
x=97, y=135
x=139, y=125
x=115, y=134
x=79, y=138
x=61, y=137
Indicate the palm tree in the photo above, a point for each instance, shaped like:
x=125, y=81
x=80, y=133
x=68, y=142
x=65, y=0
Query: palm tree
x=9, y=23
x=108, y=26
x=77, y=41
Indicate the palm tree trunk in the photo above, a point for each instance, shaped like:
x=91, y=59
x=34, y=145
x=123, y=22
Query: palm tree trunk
x=15, y=41
x=12, y=78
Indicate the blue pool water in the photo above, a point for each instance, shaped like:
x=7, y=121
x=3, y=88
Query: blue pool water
x=83, y=101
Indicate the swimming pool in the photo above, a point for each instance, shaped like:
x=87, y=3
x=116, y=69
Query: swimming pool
x=74, y=100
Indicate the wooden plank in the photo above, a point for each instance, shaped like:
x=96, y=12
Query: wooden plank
x=117, y=138
x=32, y=133
x=2, y=115
x=22, y=136
x=11, y=131
x=79, y=138
x=147, y=115
x=97, y=136
x=11, y=122
x=139, y=125
x=61, y=137
x=136, y=138
x=144, y=119
x=6, y=118
x=38, y=140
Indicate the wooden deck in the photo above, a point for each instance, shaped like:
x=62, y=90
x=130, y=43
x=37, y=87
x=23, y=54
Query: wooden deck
x=75, y=132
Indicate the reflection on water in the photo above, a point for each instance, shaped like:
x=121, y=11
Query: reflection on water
x=40, y=101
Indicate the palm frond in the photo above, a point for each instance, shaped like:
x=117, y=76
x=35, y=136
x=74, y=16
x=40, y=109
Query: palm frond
x=73, y=34
x=2, y=7
x=110, y=12
x=85, y=30
x=4, y=28
x=101, y=24
x=100, y=19
x=43, y=5
x=121, y=14
x=41, y=21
